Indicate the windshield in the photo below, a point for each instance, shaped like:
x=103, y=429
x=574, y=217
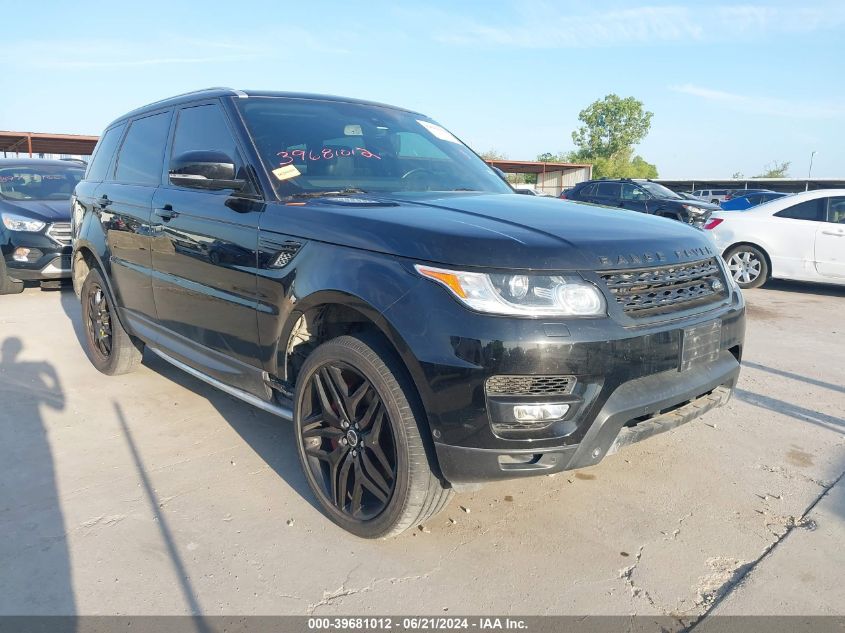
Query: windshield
x=312, y=146
x=659, y=191
x=31, y=182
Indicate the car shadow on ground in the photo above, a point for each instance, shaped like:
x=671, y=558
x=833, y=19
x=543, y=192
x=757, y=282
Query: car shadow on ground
x=268, y=435
x=827, y=290
x=34, y=557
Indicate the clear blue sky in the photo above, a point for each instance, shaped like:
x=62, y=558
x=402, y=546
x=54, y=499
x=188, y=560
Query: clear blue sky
x=732, y=86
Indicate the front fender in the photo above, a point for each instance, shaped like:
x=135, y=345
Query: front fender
x=322, y=275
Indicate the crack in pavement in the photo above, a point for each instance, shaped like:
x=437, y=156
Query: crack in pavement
x=742, y=572
x=330, y=596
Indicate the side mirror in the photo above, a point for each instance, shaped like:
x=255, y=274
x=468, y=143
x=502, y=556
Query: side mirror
x=205, y=169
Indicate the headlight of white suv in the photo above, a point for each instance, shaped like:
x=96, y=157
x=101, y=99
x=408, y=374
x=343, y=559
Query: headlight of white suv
x=22, y=223
x=521, y=294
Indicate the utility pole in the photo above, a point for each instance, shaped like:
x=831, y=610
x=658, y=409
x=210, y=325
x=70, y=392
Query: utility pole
x=810, y=172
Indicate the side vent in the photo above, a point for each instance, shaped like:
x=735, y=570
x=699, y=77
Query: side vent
x=286, y=252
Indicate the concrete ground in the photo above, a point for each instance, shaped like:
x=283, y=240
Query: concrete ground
x=152, y=493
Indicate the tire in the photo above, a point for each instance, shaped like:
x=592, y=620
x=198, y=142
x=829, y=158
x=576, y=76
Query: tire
x=8, y=286
x=358, y=439
x=110, y=349
x=748, y=266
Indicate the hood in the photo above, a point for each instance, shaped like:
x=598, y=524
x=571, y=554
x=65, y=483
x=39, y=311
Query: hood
x=46, y=210
x=507, y=231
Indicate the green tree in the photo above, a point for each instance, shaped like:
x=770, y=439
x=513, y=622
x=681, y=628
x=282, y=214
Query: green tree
x=548, y=157
x=623, y=165
x=611, y=125
x=737, y=175
x=776, y=170
x=492, y=154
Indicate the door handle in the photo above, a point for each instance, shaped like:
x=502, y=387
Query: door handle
x=166, y=213
x=836, y=233
x=104, y=202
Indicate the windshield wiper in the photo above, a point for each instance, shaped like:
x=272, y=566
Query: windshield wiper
x=322, y=194
x=465, y=189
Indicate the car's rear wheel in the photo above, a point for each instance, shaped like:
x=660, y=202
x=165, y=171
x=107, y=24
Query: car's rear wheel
x=359, y=440
x=8, y=286
x=748, y=266
x=110, y=349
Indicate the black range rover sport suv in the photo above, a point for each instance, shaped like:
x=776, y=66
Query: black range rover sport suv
x=356, y=268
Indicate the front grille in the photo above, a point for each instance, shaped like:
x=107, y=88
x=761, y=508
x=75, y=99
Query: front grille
x=530, y=385
x=651, y=291
x=60, y=232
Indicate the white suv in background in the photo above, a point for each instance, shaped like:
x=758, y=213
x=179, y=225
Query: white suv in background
x=716, y=196
x=799, y=237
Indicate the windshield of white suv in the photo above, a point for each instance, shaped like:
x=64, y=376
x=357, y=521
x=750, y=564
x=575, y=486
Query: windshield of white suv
x=312, y=147
x=659, y=191
x=30, y=182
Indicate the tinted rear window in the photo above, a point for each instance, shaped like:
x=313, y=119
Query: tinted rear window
x=142, y=154
x=103, y=153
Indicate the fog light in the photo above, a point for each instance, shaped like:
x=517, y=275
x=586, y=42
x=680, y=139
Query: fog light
x=539, y=412
x=20, y=254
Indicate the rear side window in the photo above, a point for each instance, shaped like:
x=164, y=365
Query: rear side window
x=609, y=189
x=809, y=210
x=142, y=154
x=103, y=153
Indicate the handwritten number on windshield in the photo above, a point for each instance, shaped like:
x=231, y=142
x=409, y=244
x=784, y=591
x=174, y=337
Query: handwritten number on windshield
x=327, y=153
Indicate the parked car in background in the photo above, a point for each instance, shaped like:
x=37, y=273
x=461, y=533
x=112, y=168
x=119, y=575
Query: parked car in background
x=35, y=213
x=714, y=196
x=644, y=196
x=356, y=268
x=801, y=237
x=741, y=201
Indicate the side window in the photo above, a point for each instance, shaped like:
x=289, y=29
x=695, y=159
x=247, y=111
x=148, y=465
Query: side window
x=754, y=199
x=808, y=210
x=588, y=190
x=204, y=128
x=632, y=192
x=141, y=156
x=609, y=190
x=836, y=210
x=103, y=153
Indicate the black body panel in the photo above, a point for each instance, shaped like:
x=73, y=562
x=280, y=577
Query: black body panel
x=226, y=281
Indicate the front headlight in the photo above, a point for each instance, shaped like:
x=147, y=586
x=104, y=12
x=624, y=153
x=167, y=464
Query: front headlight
x=22, y=223
x=521, y=294
x=693, y=209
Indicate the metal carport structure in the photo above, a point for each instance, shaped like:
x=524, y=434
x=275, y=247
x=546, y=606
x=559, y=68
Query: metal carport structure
x=34, y=143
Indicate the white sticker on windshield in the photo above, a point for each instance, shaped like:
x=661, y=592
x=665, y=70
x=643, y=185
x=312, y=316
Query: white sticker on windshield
x=353, y=130
x=442, y=133
x=286, y=173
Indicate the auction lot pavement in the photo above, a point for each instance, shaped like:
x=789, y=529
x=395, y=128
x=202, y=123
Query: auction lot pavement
x=152, y=493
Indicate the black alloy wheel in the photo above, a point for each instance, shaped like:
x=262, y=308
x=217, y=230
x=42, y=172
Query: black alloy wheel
x=359, y=424
x=348, y=441
x=99, y=326
x=110, y=348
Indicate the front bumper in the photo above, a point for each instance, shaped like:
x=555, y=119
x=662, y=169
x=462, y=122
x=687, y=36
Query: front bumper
x=629, y=383
x=657, y=403
x=47, y=260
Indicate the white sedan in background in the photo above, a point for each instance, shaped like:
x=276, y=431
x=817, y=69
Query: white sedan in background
x=799, y=237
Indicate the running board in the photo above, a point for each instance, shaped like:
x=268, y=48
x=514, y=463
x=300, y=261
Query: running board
x=282, y=412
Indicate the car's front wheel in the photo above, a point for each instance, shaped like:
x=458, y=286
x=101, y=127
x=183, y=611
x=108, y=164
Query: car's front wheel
x=109, y=347
x=359, y=440
x=748, y=266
